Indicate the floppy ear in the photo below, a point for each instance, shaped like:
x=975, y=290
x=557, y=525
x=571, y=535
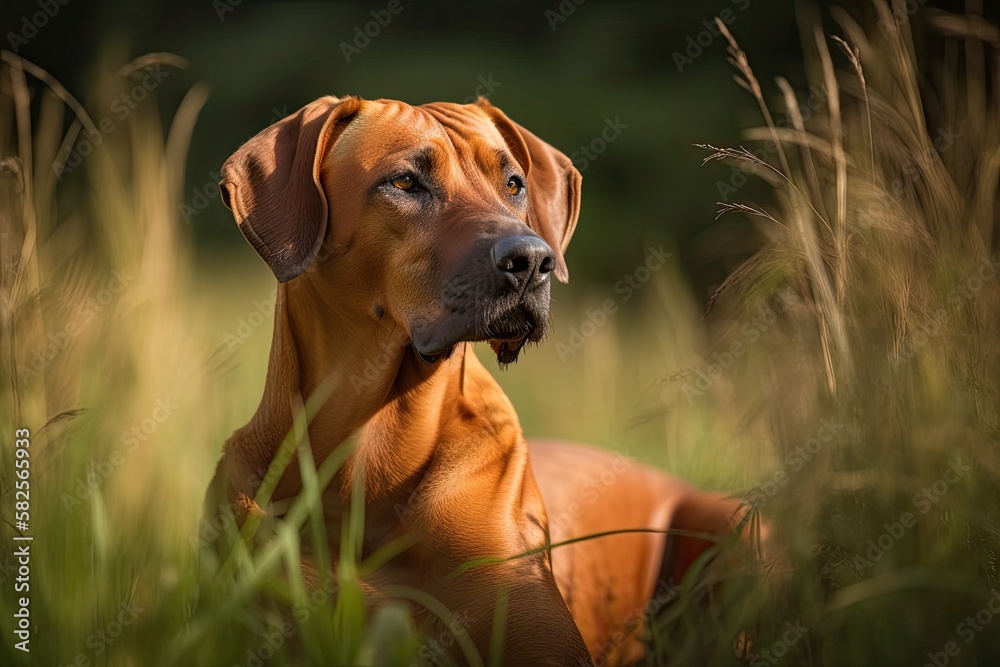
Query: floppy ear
x=272, y=185
x=553, y=185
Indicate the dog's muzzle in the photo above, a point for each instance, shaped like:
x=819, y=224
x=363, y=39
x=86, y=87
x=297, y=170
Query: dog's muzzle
x=500, y=296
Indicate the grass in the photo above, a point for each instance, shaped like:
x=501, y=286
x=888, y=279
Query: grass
x=844, y=369
x=875, y=384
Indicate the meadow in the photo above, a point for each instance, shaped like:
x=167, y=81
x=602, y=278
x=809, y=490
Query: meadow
x=844, y=380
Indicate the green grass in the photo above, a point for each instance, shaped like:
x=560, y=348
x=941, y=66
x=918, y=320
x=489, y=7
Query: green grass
x=875, y=384
x=861, y=335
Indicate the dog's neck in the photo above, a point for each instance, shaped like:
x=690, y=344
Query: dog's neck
x=377, y=390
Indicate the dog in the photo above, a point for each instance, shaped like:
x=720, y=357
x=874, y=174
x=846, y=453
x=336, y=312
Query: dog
x=400, y=236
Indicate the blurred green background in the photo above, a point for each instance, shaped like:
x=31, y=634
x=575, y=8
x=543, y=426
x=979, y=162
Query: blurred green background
x=656, y=70
x=192, y=327
x=560, y=74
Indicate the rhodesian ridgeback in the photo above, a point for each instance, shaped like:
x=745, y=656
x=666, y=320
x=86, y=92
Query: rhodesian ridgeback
x=401, y=235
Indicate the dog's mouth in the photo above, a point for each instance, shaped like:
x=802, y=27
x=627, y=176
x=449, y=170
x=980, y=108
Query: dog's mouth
x=507, y=351
x=507, y=336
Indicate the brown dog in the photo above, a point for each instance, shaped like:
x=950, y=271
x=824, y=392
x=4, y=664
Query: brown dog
x=400, y=235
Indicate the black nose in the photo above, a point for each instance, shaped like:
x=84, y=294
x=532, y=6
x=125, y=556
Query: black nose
x=523, y=259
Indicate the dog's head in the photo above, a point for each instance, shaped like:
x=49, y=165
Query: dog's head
x=449, y=219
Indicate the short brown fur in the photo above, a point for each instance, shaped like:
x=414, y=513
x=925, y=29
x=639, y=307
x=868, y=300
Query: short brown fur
x=361, y=277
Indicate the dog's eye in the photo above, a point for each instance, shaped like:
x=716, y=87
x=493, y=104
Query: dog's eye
x=405, y=182
x=514, y=185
